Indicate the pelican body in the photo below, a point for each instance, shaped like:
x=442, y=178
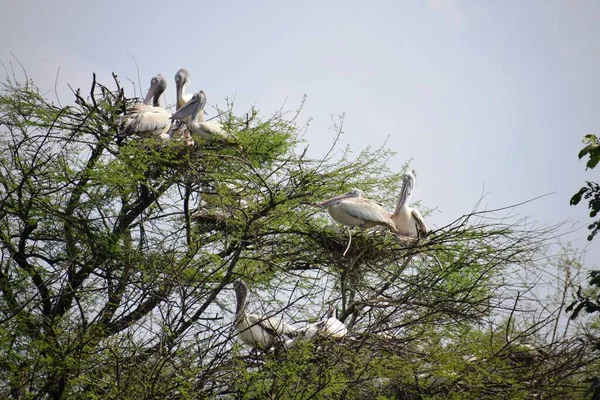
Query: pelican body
x=408, y=220
x=145, y=120
x=196, y=124
x=258, y=331
x=353, y=209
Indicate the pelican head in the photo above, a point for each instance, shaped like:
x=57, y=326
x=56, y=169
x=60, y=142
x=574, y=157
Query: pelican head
x=353, y=193
x=332, y=312
x=158, y=85
x=241, y=292
x=182, y=80
x=196, y=103
x=182, y=77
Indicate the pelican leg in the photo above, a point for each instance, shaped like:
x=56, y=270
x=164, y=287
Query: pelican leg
x=349, y=241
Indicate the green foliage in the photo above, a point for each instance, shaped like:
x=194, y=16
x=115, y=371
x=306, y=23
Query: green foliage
x=591, y=149
x=588, y=302
x=591, y=192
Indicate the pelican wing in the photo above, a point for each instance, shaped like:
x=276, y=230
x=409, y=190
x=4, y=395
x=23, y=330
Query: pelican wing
x=367, y=210
x=144, y=120
x=273, y=325
x=211, y=130
x=419, y=223
x=334, y=328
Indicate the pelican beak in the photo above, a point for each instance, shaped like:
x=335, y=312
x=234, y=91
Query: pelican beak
x=186, y=110
x=335, y=200
x=150, y=94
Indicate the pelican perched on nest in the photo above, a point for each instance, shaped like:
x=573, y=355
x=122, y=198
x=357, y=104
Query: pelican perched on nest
x=145, y=120
x=208, y=130
x=258, y=331
x=408, y=221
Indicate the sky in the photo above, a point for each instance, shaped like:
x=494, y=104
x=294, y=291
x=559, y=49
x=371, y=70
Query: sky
x=483, y=97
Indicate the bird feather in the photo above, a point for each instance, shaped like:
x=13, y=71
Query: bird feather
x=368, y=211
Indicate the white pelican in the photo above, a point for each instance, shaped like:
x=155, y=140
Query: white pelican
x=353, y=209
x=330, y=327
x=333, y=327
x=195, y=107
x=182, y=80
x=145, y=120
x=256, y=330
x=408, y=220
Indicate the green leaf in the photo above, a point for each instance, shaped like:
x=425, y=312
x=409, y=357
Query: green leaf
x=587, y=149
x=593, y=161
x=577, y=310
x=577, y=196
x=595, y=278
x=590, y=138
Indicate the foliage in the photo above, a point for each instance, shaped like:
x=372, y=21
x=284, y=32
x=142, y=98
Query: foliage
x=117, y=260
x=588, y=299
x=591, y=191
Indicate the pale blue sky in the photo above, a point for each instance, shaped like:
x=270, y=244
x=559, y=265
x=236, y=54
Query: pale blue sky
x=480, y=94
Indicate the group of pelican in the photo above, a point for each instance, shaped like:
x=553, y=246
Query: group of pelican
x=264, y=332
x=354, y=209
x=153, y=121
x=351, y=209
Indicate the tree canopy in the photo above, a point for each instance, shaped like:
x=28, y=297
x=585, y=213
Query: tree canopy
x=117, y=262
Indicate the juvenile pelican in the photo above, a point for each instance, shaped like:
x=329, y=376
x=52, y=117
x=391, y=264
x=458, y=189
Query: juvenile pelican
x=329, y=327
x=182, y=80
x=195, y=107
x=145, y=120
x=408, y=220
x=333, y=327
x=353, y=209
x=256, y=330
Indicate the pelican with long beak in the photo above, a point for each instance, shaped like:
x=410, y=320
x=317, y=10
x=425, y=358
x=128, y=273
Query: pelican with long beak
x=195, y=108
x=258, y=331
x=408, y=221
x=145, y=120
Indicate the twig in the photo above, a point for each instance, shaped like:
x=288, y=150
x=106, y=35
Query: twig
x=138, y=72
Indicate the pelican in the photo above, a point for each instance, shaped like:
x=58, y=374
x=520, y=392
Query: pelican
x=145, y=120
x=408, y=220
x=354, y=209
x=330, y=327
x=333, y=327
x=195, y=107
x=182, y=80
x=256, y=330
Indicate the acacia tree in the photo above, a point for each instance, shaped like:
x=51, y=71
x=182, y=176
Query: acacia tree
x=117, y=259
